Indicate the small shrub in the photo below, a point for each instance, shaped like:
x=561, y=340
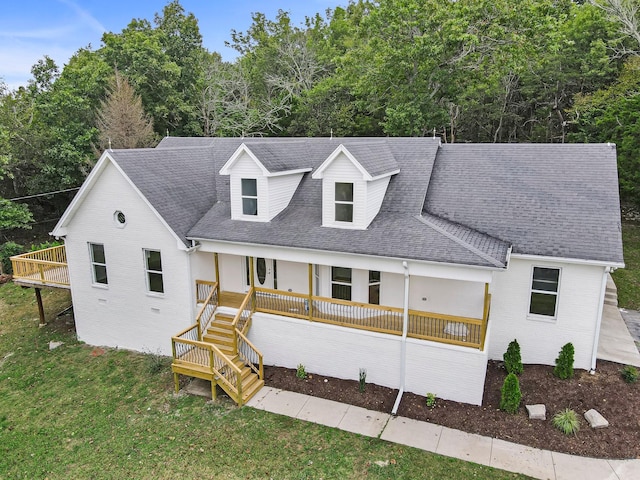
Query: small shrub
x=511, y=394
x=156, y=362
x=362, y=379
x=564, y=362
x=629, y=374
x=301, y=372
x=8, y=250
x=431, y=400
x=567, y=421
x=512, y=358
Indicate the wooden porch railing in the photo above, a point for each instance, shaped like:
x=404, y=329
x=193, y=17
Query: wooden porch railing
x=208, y=294
x=43, y=267
x=455, y=330
x=250, y=355
x=205, y=360
x=242, y=320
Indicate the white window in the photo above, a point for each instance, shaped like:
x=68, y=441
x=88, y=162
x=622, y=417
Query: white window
x=316, y=279
x=98, y=263
x=544, y=291
x=344, y=202
x=341, y=283
x=153, y=269
x=374, y=287
x=249, y=187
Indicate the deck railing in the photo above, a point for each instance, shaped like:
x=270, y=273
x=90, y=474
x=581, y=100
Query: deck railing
x=456, y=330
x=206, y=358
x=250, y=355
x=42, y=267
x=243, y=318
x=209, y=293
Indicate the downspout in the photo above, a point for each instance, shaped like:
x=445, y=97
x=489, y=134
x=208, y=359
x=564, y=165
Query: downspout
x=403, y=341
x=194, y=246
x=596, y=337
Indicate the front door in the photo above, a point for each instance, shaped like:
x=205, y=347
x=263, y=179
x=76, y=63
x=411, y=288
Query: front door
x=264, y=272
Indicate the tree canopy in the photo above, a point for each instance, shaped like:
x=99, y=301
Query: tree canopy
x=465, y=70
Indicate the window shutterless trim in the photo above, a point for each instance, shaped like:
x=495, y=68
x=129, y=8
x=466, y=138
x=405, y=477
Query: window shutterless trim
x=555, y=293
x=153, y=273
x=96, y=266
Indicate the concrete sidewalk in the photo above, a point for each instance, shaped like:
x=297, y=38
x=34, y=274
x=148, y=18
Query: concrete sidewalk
x=492, y=452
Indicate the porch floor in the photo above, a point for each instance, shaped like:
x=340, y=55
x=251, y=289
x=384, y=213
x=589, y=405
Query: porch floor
x=231, y=299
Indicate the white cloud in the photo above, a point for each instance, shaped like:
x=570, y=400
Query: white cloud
x=89, y=19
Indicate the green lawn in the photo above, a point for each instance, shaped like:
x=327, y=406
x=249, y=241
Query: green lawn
x=628, y=279
x=69, y=413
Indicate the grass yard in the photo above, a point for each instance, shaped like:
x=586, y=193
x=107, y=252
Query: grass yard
x=628, y=279
x=80, y=412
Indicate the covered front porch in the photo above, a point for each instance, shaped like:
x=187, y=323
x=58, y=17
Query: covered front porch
x=298, y=291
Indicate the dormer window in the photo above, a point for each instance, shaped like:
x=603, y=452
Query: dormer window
x=344, y=202
x=249, y=196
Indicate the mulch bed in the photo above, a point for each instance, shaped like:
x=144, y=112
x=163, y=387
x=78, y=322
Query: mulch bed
x=605, y=391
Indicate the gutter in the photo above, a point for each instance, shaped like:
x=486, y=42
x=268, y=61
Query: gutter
x=596, y=337
x=403, y=344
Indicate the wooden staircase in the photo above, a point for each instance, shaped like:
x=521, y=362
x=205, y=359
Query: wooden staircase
x=221, y=333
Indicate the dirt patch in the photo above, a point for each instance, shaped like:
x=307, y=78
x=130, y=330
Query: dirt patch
x=605, y=391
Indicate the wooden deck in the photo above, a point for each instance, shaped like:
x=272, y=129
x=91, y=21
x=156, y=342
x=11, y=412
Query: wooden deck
x=43, y=268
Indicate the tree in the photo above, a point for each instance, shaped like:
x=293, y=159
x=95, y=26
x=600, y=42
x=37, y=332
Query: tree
x=626, y=14
x=121, y=119
x=14, y=215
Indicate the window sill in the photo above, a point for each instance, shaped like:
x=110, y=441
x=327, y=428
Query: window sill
x=542, y=318
x=101, y=286
x=155, y=294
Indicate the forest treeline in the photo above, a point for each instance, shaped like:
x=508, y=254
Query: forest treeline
x=464, y=70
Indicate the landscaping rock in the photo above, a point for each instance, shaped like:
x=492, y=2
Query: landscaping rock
x=537, y=411
x=53, y=345
x=595, y=419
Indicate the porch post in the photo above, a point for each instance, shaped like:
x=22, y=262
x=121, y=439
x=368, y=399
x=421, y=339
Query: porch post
x=310, y=300
x=485, y=315
x=251, y=272
x=40, y=306
x=217, y=267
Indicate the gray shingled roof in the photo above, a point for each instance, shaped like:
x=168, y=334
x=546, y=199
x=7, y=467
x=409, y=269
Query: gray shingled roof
x=178, y=182
x=375, y=156
x=289, y=154
x=558, y=200
x=555, y=200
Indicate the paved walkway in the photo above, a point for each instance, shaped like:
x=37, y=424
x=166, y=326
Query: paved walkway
x=492, y=452
x=616, y=343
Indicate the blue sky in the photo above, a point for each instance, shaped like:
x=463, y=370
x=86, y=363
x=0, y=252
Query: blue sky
x=30, y=29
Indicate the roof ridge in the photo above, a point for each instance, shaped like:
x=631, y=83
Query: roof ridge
x=459, y=241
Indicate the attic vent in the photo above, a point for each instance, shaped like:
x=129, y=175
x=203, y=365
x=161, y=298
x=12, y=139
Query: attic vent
x=119, y=218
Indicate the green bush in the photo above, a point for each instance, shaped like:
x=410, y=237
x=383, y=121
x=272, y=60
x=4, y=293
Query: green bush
x=431, y=400
x=301, y=372
x=629, y=374
x=8, y=250
x=511, y=394
x=43, y=245
x=512, y=358
x=567, y=421
x=564, y=362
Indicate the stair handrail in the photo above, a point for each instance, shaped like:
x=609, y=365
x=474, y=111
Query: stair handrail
x=206, y=313
x=244, y=341
x=214, y=353
x=244, y=311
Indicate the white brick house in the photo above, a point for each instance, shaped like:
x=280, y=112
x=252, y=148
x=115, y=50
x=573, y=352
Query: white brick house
x=416, y=260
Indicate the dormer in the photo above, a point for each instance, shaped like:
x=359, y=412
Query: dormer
x=263, y=178
x=354, y=182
